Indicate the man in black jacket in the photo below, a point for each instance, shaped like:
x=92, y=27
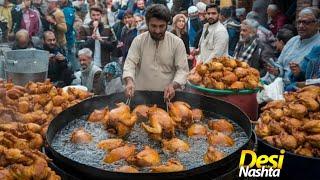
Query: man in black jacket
x=58, y=71
x=99, y=38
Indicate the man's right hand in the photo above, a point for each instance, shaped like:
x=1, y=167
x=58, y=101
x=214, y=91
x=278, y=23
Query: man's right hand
x=52, y=57
x=59, y=57
x=95, y=24
x=129, y=89
x=272, y=70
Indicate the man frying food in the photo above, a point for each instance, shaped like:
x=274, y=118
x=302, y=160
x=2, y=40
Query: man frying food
x=157, y=60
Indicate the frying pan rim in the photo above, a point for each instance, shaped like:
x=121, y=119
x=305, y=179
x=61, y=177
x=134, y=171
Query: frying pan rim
x=201, y=168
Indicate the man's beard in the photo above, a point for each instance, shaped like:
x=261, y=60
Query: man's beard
x=157, y=37
x=84, y=67
x=49, y=47
x=246, y=40
x=213, y=21
x=130, y=25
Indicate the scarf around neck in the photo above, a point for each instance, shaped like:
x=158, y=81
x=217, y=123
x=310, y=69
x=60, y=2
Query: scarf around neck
x=247, y=51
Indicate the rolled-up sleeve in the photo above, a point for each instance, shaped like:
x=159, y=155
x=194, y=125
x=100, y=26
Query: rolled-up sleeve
x=181, y=64
x=133, y=59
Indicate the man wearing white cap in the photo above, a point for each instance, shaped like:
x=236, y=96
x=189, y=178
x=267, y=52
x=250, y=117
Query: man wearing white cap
x=214, y=39
x=194, y=25
x=57, y=22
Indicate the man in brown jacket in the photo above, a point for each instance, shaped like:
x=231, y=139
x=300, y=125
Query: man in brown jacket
x=57, y=22
x=98, y=38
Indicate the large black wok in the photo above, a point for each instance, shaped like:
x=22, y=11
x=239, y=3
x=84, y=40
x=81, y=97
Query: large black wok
x=146, y=97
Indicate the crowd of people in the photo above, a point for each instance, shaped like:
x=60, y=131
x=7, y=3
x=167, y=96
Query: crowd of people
x=113, y=46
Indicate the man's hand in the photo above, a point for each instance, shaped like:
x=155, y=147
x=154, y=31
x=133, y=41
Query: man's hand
x=59, y=57
x=95, y=24
x=295, y=69
x=96, y=37
x=120, y=44
x=170, y=91
x=301, y=84
x=272, y=70
x=50, y=19
x=197, y=51
x=129, y=89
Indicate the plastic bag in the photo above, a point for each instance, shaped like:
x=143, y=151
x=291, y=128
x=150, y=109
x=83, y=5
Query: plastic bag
x=271, y=92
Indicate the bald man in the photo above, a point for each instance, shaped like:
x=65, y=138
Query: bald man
x=22, y=40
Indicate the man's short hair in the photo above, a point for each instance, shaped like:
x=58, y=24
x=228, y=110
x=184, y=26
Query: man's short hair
x=128, y=13
x=311, y=10
x=209, y=6
x=96, y=8
x=85, y=51
x=46, y=33
x=158, y=11
x=285, y=34
x=251, y=23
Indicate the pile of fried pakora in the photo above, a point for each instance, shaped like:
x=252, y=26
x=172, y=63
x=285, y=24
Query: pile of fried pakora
x=225, y=73
x=36, y=103
x=294, y=123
